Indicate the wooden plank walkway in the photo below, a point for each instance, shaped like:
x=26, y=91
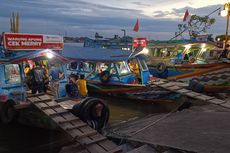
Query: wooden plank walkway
x=179, y=87
x=143, y=149
x=86, y=139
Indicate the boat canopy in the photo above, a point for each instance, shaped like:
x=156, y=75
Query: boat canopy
x=96, y=54
x=34, y=54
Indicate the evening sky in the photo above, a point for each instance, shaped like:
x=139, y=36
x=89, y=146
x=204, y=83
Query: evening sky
x=158, y=19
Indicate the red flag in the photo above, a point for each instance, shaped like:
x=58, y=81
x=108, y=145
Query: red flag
x=136, y=27
x=186, y=14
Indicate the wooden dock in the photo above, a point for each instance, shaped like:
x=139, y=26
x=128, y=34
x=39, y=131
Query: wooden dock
x=86, y=139
x=192, y=131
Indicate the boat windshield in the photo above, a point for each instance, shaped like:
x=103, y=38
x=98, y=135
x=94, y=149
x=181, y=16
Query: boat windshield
x=209, y=54
x=12, y=73
x=86, y=67
x=177, y=50
x=100, y=67
x=193, y=51
x=123, y=68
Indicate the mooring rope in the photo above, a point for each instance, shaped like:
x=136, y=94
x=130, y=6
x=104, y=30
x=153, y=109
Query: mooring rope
x=163, y=117
x=125, y=136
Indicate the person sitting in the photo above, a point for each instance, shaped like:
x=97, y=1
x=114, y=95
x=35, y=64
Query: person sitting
x=224, y=53
x=186, y=57
x=81, y=83
x=71, y=87
x=134, y=68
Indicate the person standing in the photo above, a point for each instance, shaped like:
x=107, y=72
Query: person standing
x=82, y=88
x=55, y=76
x=46, y=78
x=38, y=75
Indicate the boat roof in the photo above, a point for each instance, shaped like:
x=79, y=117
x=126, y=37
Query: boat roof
x=22, y=56
x=182, y=43
x=75, y=52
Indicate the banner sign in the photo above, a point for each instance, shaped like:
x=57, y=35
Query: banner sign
x=139, y=42
x=20, y=41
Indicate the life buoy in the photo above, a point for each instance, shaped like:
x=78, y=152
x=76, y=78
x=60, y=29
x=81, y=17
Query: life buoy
x=192, y=60
x=8, y=113
x=105, y=77
x=192, y=84
x=199, y=88
x=196, y=86
x=87, y=111
x=161, y=67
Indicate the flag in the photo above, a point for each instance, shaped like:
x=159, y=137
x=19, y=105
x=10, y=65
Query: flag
x=186, y=15
x=136, y=26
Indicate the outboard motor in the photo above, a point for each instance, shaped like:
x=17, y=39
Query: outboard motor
x=92, y=111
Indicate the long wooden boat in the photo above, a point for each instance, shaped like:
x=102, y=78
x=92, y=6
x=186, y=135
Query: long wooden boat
x=198, y=64
x=121, y=82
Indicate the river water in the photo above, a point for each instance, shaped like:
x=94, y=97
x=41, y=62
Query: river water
x=18, y=138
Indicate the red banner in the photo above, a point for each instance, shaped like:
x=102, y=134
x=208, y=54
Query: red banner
x=139, y=42
x=19, y=41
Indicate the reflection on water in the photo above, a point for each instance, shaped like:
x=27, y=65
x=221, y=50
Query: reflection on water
x=17, y=138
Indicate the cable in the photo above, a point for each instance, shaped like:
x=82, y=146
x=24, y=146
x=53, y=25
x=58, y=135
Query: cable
x=163, y=117
x=193, y=24
x=125, y=136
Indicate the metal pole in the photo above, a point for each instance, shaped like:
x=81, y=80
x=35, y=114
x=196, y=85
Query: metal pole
x=226, y=34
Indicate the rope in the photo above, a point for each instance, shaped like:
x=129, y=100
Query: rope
x=125, y=136
x=193, y=24
x=153, y=123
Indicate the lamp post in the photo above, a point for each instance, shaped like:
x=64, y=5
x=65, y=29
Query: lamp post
x=226, y=13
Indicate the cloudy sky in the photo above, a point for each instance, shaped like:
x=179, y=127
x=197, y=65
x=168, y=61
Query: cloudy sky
x=158, y=19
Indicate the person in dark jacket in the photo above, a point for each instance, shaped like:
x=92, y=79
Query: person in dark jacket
x=38, y=75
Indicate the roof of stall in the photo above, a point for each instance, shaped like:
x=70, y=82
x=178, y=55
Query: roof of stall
x=95, y=54
x=22, y=56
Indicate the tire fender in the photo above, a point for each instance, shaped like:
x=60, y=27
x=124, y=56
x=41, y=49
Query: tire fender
x=161, y=67
x=8, y=113
x=105, y=77
x=85, y=111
